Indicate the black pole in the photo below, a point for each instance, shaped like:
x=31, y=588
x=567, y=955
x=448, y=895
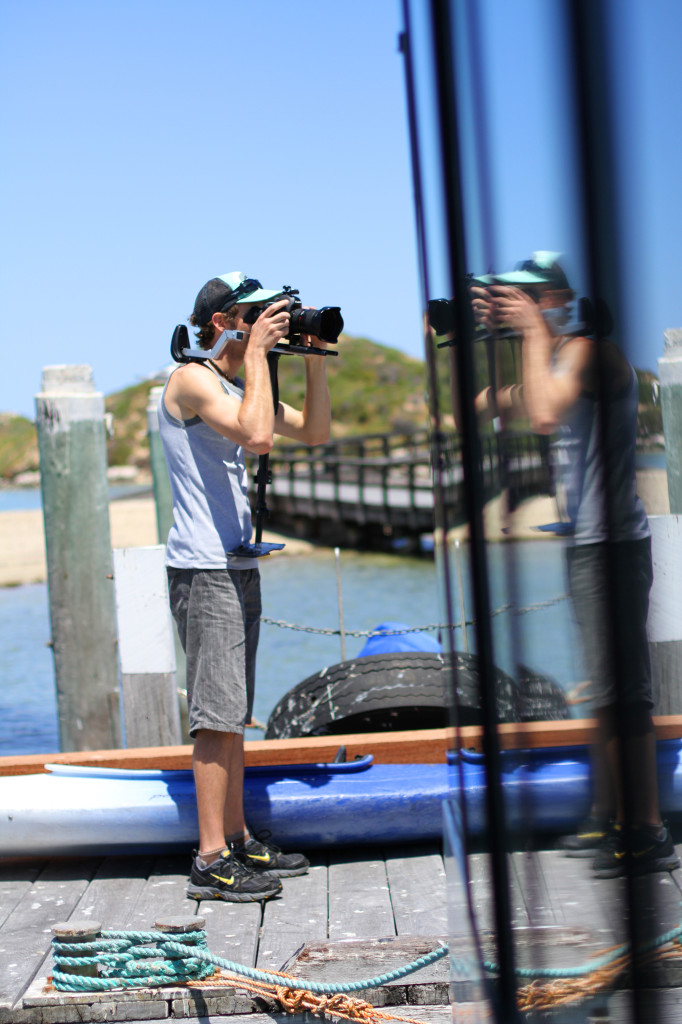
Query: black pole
x=506, y=1008
x=263, y=476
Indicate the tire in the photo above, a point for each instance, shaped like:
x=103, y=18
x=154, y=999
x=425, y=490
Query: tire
x=403, y=690
x=540, y=698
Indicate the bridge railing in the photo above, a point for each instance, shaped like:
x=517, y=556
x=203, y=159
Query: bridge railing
x=388, y=478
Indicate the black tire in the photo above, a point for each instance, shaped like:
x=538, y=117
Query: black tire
x=540, y=698
x=405, y=690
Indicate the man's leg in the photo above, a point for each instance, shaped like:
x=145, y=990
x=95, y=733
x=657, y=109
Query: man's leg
x=213, y=777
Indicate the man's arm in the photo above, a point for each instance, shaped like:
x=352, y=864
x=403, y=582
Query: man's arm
x=196, y=391
x=312, y=424
x=549, y=391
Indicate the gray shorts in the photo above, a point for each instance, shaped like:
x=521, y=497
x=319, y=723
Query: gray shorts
x=627, y=676
x=217, y=612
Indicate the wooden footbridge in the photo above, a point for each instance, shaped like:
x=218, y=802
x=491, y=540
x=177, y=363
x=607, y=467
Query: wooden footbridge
x=381, y=485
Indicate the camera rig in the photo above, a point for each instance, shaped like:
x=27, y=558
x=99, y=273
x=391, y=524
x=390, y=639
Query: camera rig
x=325, y=323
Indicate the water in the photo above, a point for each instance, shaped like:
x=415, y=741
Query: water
x=18, y=499
x=302, y=590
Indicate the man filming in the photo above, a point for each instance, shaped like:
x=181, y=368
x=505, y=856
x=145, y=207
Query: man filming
x=584, y=391
x=208, y=418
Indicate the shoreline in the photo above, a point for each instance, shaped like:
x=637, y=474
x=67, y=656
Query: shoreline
x=133, y=524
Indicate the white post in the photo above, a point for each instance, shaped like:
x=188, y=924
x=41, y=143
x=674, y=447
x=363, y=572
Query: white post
x=149, y=698
x=664, y=625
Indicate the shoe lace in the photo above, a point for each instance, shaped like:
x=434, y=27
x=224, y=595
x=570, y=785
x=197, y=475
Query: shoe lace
x=263, y=838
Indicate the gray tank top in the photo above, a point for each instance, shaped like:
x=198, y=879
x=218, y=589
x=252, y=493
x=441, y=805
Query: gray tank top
x=580, y=460
x=211, y=513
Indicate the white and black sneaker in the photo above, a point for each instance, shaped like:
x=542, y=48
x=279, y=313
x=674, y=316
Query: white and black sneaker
x=228, y=878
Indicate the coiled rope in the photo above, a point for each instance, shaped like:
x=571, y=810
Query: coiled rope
x=132, y=959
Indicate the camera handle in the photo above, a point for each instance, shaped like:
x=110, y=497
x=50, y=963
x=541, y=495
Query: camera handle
x=263, y=477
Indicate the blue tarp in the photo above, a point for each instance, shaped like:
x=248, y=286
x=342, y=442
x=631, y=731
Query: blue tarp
x=401, y=642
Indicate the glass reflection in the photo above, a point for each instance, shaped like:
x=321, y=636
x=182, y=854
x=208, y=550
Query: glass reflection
x=532, y=374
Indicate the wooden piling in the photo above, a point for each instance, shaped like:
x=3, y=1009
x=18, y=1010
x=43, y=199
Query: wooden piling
x=73, y=473
x=162, y=488
x=670, y=376
x=163, y=500
x=149, y=695
x=664, y=625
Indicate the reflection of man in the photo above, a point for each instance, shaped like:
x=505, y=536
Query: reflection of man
x=207, y=418
x=609, y=563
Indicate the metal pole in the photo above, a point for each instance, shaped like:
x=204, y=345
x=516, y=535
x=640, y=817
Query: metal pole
x=73, y=472
x=337, y=556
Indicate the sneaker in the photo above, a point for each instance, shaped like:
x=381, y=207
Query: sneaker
x=258, y=854
x=227, y=878
x=588, y=837
x=641, y=853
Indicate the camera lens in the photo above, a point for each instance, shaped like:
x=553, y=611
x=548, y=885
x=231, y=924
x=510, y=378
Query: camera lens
x=325, y=323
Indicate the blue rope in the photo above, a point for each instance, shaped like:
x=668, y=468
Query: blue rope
x=149, y=959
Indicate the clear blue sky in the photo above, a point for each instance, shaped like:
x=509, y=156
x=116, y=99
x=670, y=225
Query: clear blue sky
x=151, y=144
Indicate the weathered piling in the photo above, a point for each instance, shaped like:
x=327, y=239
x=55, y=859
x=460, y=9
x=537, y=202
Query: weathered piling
x=149, y=697
x=164, y=520
x=73, y=472
x=162, y=489
x=664, y=625
x=670, y=376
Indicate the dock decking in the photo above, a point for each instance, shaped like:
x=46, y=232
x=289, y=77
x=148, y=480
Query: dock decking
x=561, y=915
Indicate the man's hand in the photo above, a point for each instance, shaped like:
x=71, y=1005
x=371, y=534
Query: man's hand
x=270, y=328
x=310, y=341
x=514, y=308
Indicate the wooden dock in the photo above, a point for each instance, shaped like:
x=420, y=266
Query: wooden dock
x=338, y=911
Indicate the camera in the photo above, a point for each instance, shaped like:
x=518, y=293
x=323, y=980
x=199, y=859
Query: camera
x=325, y=323
x=441, y=315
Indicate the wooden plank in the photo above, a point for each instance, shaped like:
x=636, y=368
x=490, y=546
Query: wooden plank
x=530, y=887
x=297, y=916
x=26, y=934
x=232, y=929
x=410, y=747
x=359, y=897
x=354, y=960
x=15, y=882
x=110, y=896
x=418, y=746
x=163, y=894
x=416, y=876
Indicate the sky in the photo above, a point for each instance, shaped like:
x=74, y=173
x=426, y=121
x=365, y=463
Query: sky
x=149, y=145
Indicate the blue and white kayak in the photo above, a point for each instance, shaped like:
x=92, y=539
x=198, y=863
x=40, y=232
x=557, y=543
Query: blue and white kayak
x=73, y=810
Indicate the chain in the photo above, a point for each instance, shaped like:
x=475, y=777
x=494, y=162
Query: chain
x=413, y=629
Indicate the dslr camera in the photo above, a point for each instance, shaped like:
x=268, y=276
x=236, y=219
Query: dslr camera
x=325, y=323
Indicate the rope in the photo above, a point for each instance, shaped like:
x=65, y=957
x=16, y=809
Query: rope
x=152, y=959
x=538, y=606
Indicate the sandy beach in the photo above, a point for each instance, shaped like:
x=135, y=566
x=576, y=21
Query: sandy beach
x=133, y=524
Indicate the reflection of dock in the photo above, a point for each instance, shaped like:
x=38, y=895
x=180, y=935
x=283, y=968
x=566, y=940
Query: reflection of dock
x=561, y=916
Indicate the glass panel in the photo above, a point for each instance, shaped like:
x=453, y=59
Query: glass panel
x=519, y=208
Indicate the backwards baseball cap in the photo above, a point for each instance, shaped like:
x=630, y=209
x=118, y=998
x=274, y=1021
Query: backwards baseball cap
x=543, y=268
x=220, y=293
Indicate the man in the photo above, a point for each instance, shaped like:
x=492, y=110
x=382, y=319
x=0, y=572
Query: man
x=208, y=418
x=588, y=396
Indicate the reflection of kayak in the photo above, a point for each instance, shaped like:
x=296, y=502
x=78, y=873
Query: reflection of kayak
x=72, y=810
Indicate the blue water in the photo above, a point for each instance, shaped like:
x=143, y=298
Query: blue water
x=16, y=499
x=302, y=590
